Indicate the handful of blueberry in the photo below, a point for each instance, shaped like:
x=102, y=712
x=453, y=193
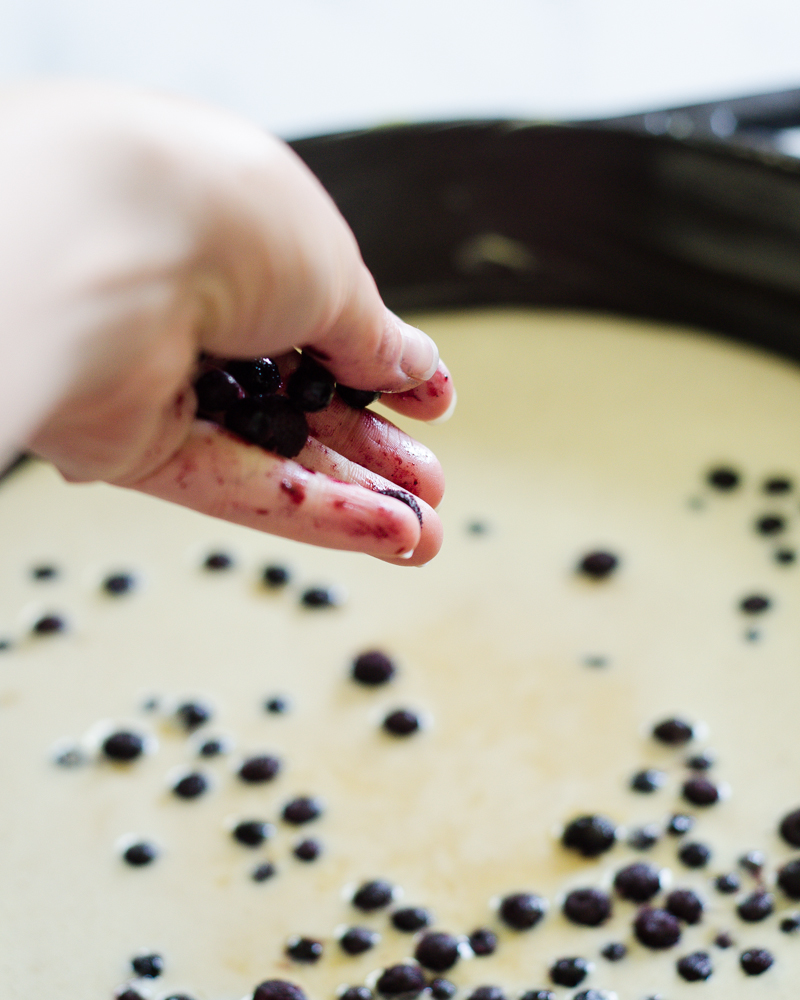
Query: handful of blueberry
x=251, y=399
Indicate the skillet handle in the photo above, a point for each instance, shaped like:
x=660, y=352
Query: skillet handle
x=756, y=121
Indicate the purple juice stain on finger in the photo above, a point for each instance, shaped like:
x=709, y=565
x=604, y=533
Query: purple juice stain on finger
x=405, y=498
x=294, y=491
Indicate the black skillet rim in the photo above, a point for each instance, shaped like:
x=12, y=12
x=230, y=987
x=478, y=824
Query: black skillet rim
x=502, y=212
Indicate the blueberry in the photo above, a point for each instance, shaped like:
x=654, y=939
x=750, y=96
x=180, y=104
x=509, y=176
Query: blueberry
x=589, y=835
x=278, y=989
x=789, y=879
x=656, y=928
x=263, y=871
x=569, y=971
x=679, y=824
x=178, y=996
x=140, y=854
x=723, y=940
x=192, y=715
x=483, y=942
x=589, y=907
x=258, y=377
x=271, y=422
x=252, y=832
x=638, y=882
x=410, y=919
x=191, y=786
x=406, y=498
x=217, y=561
x=406, y=979
x=522, y=910
x=673, y=732
x=700, y=792
x=644, y=837
x=441, y=989
x=785, y=556
x=790, y=924
x=356, y=940
x=596, y=995
x=301, y=810
x=275, y=577
x=401, y=722
x=119, y=584
x=487, y=993
x=49, y=625
x=615, y=951
x=770, y=524
x=277, y=705
x=319, y=597
x=358, y=399
x=310, y=386
x=647, y=781
x=728, y=883
x=307, y=850
x=754, y=961
x=304, y=950
x=598, y=565
x=754, y=604
x=356, y=993
x=373, y=668
x=723, y=478
x=212, y=748
x=695, y=855
x=150, y=966
x=777, y=484
x=684, y=904
x=757, y=906
x=129, y=994
x=259, y=769
x=44, y=572
x=216, y=390
x=123, y=746
x=701, y=761
x=790, y=828
x=695, y=967
x=753, y=862
x=538, y=995
x=373, y=895
x=73, y=757
x=437, y=951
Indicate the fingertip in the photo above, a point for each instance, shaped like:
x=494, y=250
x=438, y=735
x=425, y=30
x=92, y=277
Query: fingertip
x=430, y=542
x=432, y=401
x=451, y=409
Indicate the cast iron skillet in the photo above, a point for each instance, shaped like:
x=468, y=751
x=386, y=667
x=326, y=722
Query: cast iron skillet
x=686, y=215
x=602, y=215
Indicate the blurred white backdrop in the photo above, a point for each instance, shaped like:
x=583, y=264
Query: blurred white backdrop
x=306, y=66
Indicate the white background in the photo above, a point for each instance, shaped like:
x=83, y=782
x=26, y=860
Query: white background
x=305, y=66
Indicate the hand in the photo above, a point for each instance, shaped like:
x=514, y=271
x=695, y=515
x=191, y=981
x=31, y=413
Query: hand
x=140, y=230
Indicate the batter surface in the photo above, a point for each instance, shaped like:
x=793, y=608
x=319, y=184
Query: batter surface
x=537, y=689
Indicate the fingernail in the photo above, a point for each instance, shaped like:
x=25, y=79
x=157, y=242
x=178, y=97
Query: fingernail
x=451, y=409
x=420, y=357
x=406, y=555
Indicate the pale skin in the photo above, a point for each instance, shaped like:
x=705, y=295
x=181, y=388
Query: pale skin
x=137, y=230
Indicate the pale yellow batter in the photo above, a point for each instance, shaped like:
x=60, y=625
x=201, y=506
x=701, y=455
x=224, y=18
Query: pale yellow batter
x=573, y=432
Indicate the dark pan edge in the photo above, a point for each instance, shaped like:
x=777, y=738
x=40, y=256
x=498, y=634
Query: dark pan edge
x=500, y=212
